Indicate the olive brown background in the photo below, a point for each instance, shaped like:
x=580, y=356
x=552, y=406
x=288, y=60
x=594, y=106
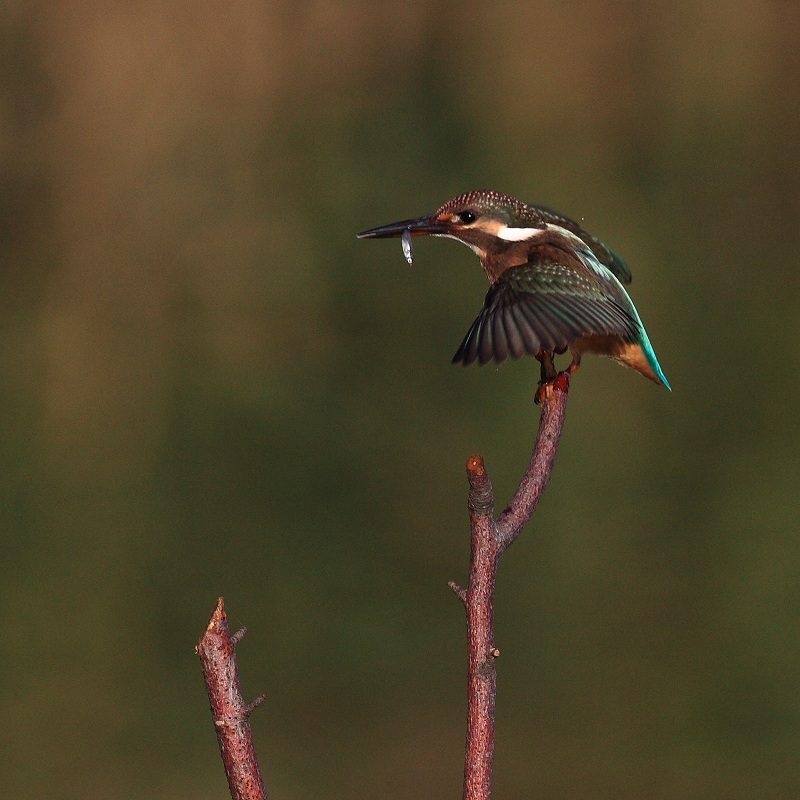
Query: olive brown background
x=208, y=386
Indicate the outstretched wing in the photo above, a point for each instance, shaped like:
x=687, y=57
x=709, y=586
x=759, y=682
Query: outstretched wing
x=545, y=306
x=605, y=255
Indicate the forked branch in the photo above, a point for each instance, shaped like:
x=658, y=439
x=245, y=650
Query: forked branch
x=489, y=539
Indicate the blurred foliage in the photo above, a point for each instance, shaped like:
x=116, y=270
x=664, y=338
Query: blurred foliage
x=209, y=386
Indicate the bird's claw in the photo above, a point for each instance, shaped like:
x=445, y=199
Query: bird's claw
x=550, y=377
x=545, y=387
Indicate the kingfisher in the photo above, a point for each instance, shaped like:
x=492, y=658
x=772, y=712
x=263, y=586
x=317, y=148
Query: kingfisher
x=554, y=286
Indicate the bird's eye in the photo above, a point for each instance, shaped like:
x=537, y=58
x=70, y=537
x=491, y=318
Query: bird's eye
x=467, y=217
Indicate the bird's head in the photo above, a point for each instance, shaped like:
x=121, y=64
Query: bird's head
x=488, y=222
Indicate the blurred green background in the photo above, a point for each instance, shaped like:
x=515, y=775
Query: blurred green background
x=209, y=387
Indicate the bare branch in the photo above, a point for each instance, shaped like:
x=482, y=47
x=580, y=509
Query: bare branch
x=479, y=604
x=553, y=399
x=489, y=539
x=228, y=709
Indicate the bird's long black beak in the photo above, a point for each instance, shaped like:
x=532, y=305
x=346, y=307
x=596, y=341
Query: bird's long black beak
x=416, y=227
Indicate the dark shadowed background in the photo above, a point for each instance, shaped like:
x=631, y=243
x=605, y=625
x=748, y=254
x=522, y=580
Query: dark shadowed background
x=209, y=387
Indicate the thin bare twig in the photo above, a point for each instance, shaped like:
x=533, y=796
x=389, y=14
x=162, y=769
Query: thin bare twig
x=553, y=398
x=228, y=709
x=489, y=539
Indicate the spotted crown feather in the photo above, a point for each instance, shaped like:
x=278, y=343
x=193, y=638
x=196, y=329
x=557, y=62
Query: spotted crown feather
x=497, y=203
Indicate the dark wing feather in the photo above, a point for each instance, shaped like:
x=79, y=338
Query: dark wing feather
x=544, y=307
x=605, y=255
x=530, y=341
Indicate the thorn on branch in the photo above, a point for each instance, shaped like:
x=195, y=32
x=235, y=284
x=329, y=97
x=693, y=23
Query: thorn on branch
x=460, y=593
x=238, y=636
x=255, y=704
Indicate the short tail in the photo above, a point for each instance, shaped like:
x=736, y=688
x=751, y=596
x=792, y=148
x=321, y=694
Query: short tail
x=652, y=361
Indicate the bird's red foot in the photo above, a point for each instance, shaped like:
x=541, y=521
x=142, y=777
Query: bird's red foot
x=550, y=378
x=575, y=364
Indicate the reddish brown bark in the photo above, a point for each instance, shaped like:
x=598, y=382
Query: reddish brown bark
x=230, y=713
x=489, y=539
x=553, y=398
